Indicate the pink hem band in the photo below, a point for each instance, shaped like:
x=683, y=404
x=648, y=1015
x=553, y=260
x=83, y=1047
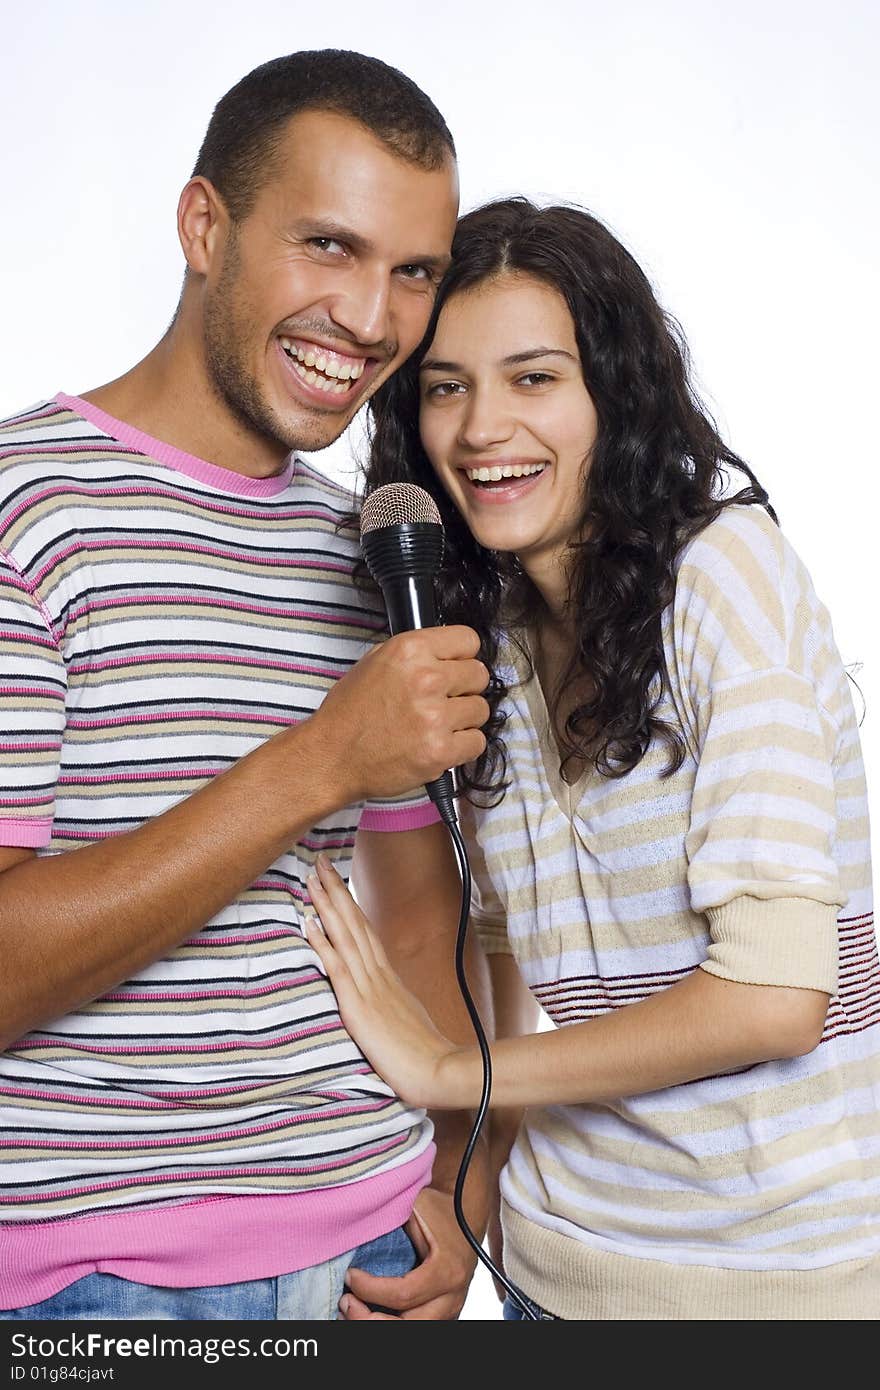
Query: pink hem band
x=399, y=818
x=225, y=479
x=221, y=1240
x=25, y=834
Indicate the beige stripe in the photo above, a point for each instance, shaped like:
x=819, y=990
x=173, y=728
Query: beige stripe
x=765, y=1211
x=196, y=615
x=191, y=1152
x=184, y=1189
x=91, y=504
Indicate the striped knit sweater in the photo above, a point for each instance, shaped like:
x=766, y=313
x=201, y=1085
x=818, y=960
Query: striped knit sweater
x=754, y=1194
x=210, y=1120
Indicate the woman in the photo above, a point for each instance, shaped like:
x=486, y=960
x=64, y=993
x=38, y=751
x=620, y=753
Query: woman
x=668, y=827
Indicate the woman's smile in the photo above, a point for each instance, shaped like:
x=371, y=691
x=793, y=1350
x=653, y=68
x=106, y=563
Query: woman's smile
x=507, y=422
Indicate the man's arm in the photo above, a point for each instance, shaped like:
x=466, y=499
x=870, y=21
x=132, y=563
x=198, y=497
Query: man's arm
x=74, y=925
x=408, y=884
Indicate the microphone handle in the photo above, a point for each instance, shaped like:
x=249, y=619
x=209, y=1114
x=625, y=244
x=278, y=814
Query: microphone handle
x=410, y=605
x=409, y=602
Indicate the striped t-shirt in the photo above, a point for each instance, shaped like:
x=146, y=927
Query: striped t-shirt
x=754, y=1193
x=210, y=1120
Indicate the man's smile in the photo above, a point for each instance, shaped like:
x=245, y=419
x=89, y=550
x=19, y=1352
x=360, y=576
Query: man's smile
x=325, y=374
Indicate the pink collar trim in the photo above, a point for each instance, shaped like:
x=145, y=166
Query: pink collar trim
x=224, y=479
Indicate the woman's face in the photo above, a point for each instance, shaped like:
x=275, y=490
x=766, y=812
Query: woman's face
x=507, y=421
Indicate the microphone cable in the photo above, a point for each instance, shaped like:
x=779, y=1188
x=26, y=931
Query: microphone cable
x=402, y=543
x=464, y=869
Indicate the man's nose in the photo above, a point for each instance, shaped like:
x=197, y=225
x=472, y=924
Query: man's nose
x=363, y=309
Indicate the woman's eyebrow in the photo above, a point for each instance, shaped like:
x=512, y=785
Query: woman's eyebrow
x=433, y=364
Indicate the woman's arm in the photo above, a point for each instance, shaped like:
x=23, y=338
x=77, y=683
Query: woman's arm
x=517, y=1014
x=698, y=1027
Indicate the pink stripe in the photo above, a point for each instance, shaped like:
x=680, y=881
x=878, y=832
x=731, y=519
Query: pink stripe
x=165, y=1099
x=182, y=1141
x=30, y=747
x=223, y=478
x=176, y=548
x=32, y=638
x=164, y=775
x=206, y=658
x=67, y=489
x=218, y=1240
x=208, y=942
x=13, y=579
x=170, y=1096
x=181, y=714
x=58, y=1098
x=25, y=834
x=277, y=884
x=54, y=694
x=146, y=997
x=210, y=600
x=27, y=1044
x=204, y=1175
x=384, y=818
x=49, y=411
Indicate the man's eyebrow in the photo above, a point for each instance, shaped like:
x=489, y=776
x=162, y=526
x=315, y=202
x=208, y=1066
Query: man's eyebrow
x=327, y=229
x=433, y=364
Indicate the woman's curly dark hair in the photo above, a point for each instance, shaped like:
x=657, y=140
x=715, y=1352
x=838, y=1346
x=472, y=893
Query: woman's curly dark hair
x=656, y=477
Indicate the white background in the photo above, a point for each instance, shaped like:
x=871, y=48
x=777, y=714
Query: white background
x=732, y=148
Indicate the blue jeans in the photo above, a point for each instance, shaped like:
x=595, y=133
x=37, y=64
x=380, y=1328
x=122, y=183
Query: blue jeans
x=308, y=1294
x=511, y=1313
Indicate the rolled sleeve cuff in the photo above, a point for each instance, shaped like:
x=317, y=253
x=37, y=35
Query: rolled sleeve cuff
x=25, y=834
x=775, y=941
x=399, y=817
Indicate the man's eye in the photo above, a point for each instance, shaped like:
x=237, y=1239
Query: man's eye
x=414, y=272
x=326, y=243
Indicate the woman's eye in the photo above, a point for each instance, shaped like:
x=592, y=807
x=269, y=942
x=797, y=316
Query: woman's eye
x=534, y=378
x=440, y=389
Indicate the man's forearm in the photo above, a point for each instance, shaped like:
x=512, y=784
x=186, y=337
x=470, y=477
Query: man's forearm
x=74, y=925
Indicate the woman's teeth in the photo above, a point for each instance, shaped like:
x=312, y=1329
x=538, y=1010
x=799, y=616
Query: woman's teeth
x=321, y=369
x=507, y=470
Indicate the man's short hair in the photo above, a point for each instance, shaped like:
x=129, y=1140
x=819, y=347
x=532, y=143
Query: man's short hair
x=240, y=147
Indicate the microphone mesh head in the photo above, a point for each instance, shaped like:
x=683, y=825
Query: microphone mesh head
x=398, y=504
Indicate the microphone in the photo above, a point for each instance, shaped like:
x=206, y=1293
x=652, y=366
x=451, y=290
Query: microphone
x=402, y=543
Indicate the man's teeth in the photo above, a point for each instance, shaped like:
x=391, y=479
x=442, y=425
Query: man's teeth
x=318, y=369
x=508, y=470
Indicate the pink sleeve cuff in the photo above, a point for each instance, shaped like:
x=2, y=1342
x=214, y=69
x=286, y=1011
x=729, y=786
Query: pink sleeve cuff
x=399, y=817
x=25, y=834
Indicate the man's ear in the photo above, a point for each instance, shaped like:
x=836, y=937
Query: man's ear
x=202, y=223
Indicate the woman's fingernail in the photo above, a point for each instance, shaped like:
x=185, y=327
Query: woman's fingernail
x=344, y=1303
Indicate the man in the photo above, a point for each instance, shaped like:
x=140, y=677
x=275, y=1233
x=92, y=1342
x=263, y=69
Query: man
x=189, y=1130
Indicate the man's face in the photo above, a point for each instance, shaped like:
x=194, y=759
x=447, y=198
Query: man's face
x=325, y=288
